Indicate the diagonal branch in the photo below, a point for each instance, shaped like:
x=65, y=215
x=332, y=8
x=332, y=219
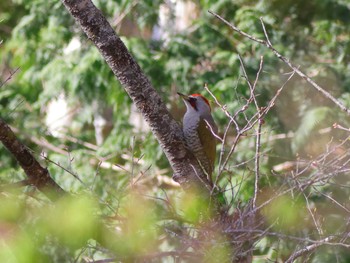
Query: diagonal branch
x=268, y=44
x=137, y=85
x=38, y=175
x=308, y=249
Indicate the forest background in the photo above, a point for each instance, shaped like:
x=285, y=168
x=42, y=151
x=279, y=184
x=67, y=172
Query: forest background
x=63, y=102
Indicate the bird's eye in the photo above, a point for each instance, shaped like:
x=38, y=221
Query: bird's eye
x=192, y=101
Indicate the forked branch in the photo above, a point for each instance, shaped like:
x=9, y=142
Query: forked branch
x=139, y=88
x=296, y=69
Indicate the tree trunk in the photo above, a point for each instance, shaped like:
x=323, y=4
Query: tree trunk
x=167, y=131
x=38, y=175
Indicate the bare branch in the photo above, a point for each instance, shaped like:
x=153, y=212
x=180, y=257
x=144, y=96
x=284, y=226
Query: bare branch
x=308, y=249
x=38, y=175
x=2, y=83
x=340, y=127
x=286, y=61
x=40, y=142
x=257, y=161
x=137, y=85
x=252, y=88
x=63, y=168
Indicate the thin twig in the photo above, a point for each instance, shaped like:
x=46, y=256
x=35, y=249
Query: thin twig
x=38, y=175
x=63, y=168
x=338, y=126
x=123, y=14
x=308, y=249
x=274, y=98
x=132, y=159
x=222, y=151
x=257, y=162
x=265, y=32
x=334, y=201
x=252, y=88
x=223, y=107
x=318, y=227
x=286, y=61
x=2, y=83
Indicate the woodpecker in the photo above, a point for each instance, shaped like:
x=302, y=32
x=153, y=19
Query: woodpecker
x=199, y=130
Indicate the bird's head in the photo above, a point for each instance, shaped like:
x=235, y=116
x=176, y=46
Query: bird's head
x=197, y=103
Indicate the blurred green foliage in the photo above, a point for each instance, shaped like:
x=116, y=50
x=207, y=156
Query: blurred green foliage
x=56, y=60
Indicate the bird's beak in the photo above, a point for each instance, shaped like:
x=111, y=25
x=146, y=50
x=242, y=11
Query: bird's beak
x=184, y=97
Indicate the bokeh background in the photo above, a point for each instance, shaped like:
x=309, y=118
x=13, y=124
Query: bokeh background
x=65, y=104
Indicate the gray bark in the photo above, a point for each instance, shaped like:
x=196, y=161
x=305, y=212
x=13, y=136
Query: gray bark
x=167, y=131
x=38, y=175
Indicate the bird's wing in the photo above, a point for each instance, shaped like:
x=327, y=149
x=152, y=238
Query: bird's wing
x=208, y=141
